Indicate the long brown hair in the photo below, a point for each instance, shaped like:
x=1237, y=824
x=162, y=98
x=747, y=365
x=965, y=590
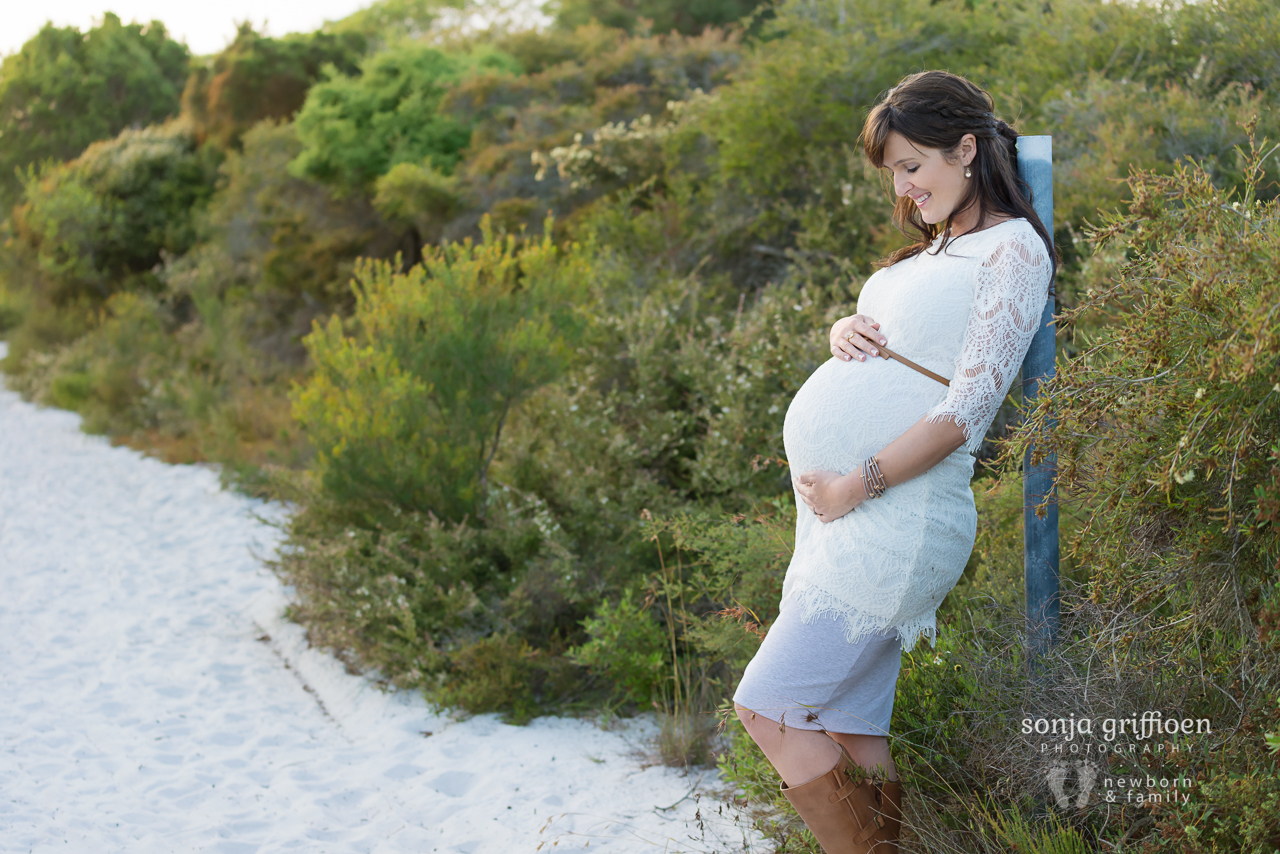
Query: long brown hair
x=934, y=109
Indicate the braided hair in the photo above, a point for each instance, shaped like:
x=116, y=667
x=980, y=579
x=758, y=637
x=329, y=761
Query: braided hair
x=934, y=109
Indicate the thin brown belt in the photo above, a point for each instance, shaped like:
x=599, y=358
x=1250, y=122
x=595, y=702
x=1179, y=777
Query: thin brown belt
x=885, y=351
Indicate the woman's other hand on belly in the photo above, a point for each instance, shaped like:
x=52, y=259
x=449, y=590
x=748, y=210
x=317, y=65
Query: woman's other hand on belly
x=856, y=337
x=828, y=494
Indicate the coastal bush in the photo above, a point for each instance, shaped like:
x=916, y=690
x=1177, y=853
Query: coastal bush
x=257, y=78
x=660, y=16
x=13, y=307
x=577, y=82
x=97, y=226
x=1177, y=479
x=272, y=253
x=676, y=400
x=355, y=128
x=478, y=617
x=410, y=411
x=627, y=646
x=385, y=23
x=104, y=221
x=422, y=200
x=114, y=375
x=1105, y=128
x=64, y=89
x=280, y=248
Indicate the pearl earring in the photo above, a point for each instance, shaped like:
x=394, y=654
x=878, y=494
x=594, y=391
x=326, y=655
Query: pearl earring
x=967, y=173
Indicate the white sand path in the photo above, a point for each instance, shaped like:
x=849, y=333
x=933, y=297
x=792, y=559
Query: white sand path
x=144, y=709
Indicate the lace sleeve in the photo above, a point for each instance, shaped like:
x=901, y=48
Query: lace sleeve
x=1010, y=290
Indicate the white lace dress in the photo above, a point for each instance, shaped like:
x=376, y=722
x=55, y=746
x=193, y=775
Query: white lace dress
x=880, y=572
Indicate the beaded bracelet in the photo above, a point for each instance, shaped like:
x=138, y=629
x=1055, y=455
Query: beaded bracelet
x=880, y=483
x=873, y=482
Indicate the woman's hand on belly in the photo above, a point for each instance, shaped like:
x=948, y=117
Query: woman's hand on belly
x=828, y=494
x=856, y=336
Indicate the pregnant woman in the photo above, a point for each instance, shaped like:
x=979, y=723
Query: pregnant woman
x=881, y=454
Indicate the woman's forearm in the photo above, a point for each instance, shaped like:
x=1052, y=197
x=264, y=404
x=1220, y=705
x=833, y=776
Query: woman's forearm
x=919, y=449
x=922, y=447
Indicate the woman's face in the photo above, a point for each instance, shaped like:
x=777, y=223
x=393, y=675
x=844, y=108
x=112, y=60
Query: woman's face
x=924, y=174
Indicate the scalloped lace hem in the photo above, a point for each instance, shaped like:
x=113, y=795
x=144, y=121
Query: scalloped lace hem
x=972, y=441
x=815, y=604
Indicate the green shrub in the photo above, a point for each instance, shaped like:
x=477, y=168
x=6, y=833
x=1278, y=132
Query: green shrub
x=281, y=247
x=114, y=374
x=420, y=198
x=388, y=597
x=627, y=647
x=354, y=129
x=411, y=410
x=661, y=16
x=64, y=89
x=1185, y=362
x=103, y=222
x=576, y=83
x=257, y=78
x=384, y=23
x=478, y=617
x=1164, y=429
x=12, y=309
x=504, y=674
x=1105, y=128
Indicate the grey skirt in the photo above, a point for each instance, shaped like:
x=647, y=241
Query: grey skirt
x=810, y=677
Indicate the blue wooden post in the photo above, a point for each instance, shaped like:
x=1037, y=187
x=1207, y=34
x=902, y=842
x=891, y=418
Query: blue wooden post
x=1040, y=549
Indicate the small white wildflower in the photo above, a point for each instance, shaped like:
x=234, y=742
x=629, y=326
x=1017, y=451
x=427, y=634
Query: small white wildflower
x=1276, y=388
x=798, y=307
x=937, y=660
x=1199, y=393
x=1185, y=477
x=1235, y=206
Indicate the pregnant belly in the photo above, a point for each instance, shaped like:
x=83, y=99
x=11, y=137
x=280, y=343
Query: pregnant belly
x=847, y=411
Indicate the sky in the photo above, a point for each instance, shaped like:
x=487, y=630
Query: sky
x=205, y=27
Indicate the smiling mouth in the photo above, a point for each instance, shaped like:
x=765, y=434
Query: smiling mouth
x=920, y=200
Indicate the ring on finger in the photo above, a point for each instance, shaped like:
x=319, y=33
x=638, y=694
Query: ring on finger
x=848, y=336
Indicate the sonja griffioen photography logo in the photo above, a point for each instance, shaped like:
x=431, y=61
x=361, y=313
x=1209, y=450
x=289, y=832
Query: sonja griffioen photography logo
x=1146, y=738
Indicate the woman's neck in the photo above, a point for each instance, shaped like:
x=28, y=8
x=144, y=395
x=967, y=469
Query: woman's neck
x=971, y=219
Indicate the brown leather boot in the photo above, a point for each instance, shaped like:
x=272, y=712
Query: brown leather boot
x=847, y=817
x=890, y=807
